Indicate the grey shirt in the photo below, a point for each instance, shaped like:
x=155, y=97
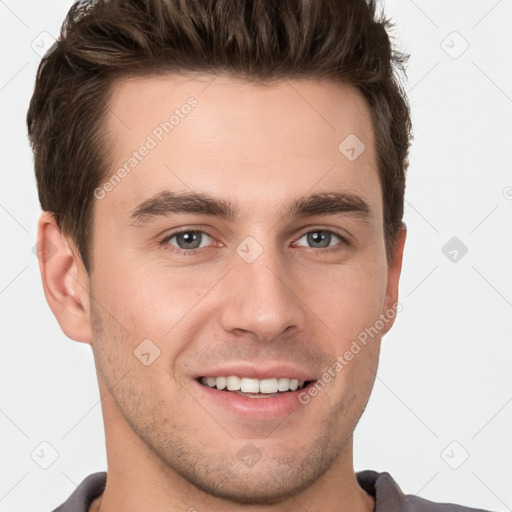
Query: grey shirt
x=388, y=496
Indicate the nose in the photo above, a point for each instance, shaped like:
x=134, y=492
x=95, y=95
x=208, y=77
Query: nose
x=260, y=298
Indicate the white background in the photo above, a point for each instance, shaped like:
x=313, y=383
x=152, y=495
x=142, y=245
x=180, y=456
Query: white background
x=444, y=375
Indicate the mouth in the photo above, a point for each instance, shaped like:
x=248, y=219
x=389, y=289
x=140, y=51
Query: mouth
x=254, y=388
x=261, y=393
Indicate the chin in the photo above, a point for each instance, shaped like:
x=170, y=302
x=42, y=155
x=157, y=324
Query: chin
x=270, y=481
x=249, y=489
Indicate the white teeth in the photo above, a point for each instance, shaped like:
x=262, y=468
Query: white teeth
x=268, y=386
x=283, y=384
x=233, y=383
x=249, y=385
x=220, y=382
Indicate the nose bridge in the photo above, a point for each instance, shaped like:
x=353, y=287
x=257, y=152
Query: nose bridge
x=261, y=298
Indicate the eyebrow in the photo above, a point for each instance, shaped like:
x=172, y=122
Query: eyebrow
x=166, y=203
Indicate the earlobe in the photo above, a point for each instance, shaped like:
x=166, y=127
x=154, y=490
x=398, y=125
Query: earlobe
x=394, y=270
x=65, y=282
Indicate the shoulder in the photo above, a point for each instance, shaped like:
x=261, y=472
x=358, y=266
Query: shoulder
x=390, y=498
x=82, y=497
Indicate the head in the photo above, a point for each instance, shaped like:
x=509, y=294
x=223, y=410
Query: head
x=278, y=143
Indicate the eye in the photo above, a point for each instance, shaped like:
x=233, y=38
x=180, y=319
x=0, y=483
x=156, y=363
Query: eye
x=187, y=241
x=322, y=238
x=191, y=241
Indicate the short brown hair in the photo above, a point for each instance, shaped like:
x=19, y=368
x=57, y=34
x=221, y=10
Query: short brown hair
x=259, y=40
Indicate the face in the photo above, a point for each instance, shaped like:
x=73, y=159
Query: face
x=245, y=277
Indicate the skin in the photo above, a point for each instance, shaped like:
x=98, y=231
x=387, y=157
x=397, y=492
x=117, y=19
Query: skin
x=169, y=448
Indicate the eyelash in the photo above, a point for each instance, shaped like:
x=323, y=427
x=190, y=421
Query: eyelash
x=192, y=252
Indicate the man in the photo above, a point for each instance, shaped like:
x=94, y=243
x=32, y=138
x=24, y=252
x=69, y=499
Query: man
x=222, y=185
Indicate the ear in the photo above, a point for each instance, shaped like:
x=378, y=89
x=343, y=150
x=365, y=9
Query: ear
x=65, y=280
x=394, y=270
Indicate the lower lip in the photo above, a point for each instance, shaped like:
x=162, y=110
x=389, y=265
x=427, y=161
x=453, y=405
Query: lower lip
x=255, y=408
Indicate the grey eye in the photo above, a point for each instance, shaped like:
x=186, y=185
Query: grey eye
x=320, y=238
x=188, y=239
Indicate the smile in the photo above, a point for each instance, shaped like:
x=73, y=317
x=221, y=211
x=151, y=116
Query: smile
x=278, y=397
x=261, y=388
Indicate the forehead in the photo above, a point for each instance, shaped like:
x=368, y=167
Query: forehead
x=255, y=143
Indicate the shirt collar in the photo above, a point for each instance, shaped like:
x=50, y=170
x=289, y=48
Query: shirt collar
x=388, y=496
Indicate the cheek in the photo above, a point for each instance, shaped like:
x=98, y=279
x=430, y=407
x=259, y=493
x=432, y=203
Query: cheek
x=348, y=300
x=350, y=305
x=148, y=299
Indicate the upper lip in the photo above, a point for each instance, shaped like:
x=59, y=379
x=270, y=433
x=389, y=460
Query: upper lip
x=255, y=372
